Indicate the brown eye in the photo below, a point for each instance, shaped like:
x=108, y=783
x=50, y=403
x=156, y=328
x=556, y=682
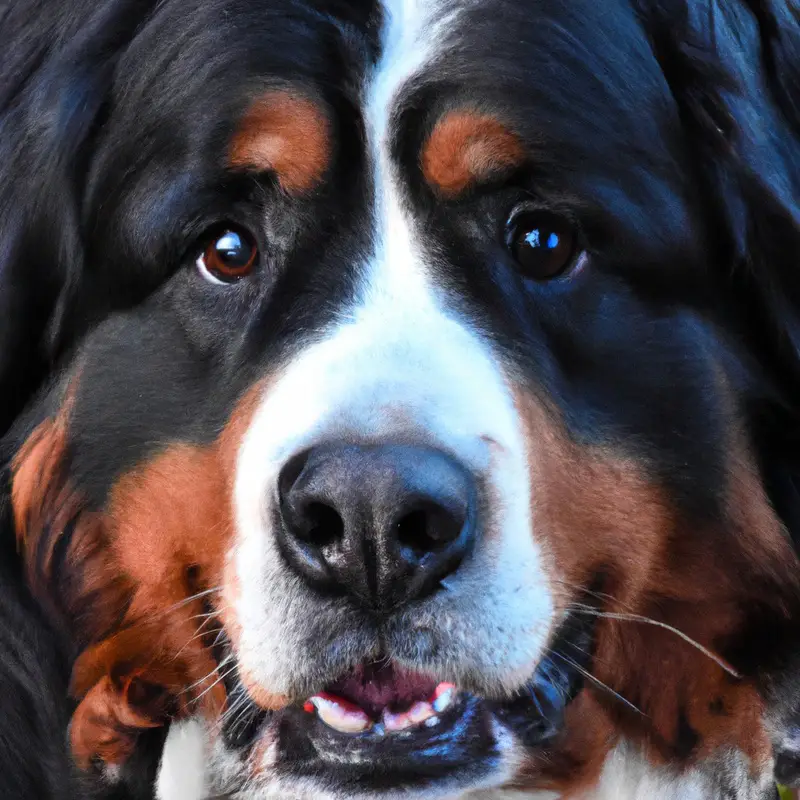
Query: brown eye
x=543, y=244
x=228, y=257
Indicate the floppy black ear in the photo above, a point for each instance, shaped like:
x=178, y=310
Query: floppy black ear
x=734, y=69
x=56, y=70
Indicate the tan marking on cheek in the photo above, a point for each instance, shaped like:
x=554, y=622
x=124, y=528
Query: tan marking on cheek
x=175, y=512
x=591, y=512
x=168, y=515
x=170, y=525
x=285, y=133
x=594, y=511
x=468, y=147
x=47, y=508
x=572, y=768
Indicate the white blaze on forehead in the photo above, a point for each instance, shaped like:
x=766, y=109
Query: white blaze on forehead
x=413, y=29
x=399, y=362
x=413, y=35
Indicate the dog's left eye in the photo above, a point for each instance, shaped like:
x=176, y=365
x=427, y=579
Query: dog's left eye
x=229, y=256
x=543, y=244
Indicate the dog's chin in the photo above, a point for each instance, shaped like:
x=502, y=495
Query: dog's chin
x=387, y=727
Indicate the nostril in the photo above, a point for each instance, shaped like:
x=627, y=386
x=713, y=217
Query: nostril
x=290, y=474
x=427, y=530
x=412, y=532
x=321, y=525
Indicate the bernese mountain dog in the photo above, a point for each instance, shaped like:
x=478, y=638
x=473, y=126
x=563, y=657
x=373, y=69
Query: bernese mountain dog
x=401, y=398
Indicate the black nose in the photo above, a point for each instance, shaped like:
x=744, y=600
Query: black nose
x=382, y=523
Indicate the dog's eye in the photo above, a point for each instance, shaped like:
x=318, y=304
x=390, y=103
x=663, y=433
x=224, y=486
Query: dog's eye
x=229, y=256
x=543, y=244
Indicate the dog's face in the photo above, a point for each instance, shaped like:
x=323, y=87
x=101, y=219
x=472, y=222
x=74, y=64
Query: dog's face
x=412, y=354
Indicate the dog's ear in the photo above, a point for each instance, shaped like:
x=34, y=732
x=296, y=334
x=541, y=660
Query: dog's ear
x=733, y=67
x=57, y=73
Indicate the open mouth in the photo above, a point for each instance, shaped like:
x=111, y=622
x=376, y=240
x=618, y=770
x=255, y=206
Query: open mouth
x=385, y=726
x=379, y=726
x=382, y=699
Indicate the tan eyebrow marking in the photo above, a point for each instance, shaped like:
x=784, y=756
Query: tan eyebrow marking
x=468, y=147
x=286, y=133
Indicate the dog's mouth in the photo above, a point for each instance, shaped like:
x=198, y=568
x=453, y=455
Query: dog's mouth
x=383, y=725
x=382, y=698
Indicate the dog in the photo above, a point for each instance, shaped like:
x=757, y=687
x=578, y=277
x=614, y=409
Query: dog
x=401, y=397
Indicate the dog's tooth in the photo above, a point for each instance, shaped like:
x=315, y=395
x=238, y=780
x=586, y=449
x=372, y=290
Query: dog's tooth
x=345, y=719
x=420, y=711
x=415, y=715
x=395, y=722
x=443, y=697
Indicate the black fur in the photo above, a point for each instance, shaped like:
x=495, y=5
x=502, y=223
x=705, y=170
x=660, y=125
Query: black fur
x=34, y=705
x=674, y=137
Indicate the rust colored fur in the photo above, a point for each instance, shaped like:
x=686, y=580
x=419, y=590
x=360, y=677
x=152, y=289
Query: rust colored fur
x=466, y=148
x=598, y=513
x=135, y=565
x=287, y=134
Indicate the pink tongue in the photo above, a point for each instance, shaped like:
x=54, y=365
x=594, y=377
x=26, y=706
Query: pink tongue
x=375, y=687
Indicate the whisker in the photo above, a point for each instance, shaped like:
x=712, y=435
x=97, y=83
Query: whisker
x=220, y=636
x=218, y=680
x=199, y=633
x=560, y=687
x=204, y=616
x=535, y=700
x=581, y=651
x=187, y=600
x=235, y=708
x=231, y=711
x=604, y=596
x=598, y=682
x=225, y=661
x=241, y=714
x=718, y=660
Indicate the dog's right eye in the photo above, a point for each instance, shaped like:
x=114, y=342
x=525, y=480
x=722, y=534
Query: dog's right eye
x=229, y=256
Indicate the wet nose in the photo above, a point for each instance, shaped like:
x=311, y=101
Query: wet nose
x=382, y=523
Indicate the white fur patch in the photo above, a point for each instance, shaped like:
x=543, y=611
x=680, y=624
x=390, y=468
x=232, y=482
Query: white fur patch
x=400, y=362
x=627, y=775
x=181, y=774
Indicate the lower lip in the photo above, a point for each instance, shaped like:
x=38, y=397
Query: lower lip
x=461, y=744
x=464, y=745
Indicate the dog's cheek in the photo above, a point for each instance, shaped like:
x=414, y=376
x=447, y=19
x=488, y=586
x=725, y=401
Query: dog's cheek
x=69, y=565
x=598, y=517
x=170, y=530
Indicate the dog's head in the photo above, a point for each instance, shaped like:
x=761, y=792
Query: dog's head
x=427, y=408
